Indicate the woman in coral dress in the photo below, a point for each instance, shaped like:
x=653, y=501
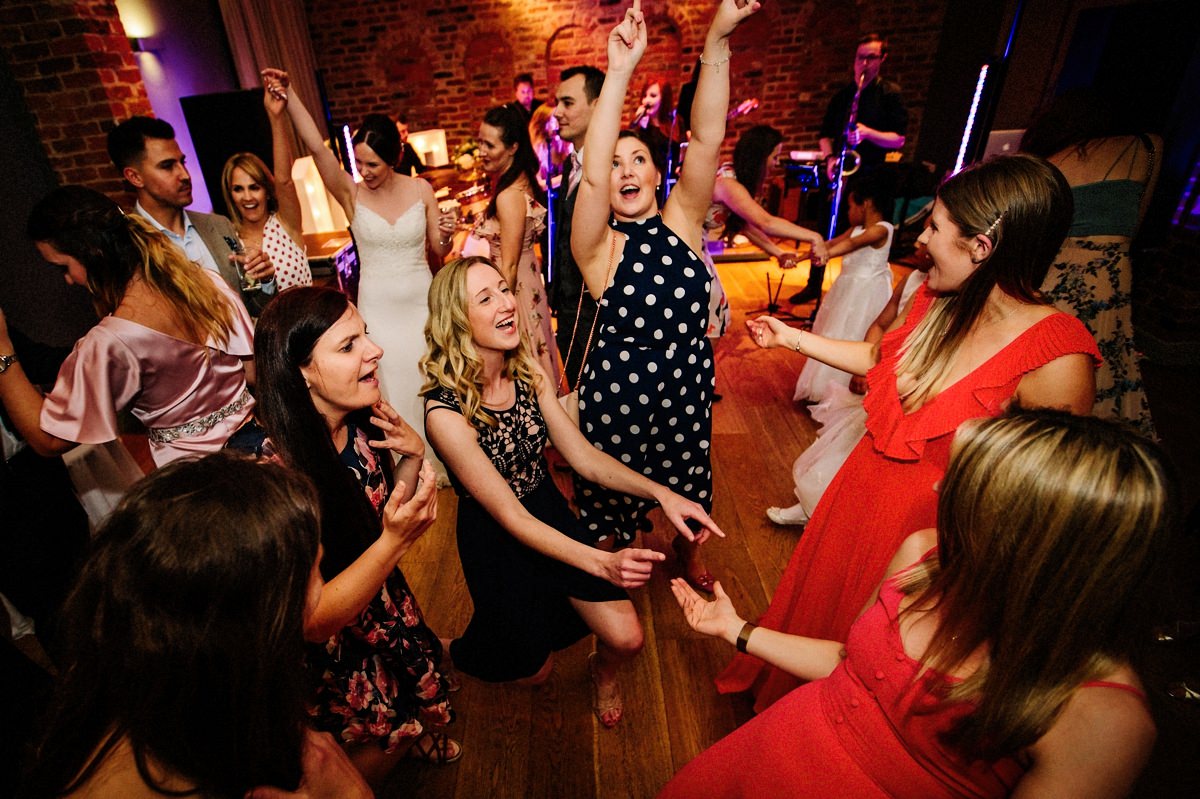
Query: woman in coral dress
x=998, y=666
x=976, y=338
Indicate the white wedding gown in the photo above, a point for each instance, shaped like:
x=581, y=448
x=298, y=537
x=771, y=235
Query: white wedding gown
x=393, y=292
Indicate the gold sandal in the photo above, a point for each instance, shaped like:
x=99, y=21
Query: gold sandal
x=611, y=710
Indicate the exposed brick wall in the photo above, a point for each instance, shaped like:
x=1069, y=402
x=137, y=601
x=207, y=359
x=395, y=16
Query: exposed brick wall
x=73, y=63
x=446, y=64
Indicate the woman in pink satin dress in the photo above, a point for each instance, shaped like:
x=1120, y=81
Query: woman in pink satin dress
x=174, y=345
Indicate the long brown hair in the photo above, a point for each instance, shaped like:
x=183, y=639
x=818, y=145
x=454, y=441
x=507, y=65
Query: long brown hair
x=115, y=248
x=1024, y=205
x=253, y=166
x=1052, y=532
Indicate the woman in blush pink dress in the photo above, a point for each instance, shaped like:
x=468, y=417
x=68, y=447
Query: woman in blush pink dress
x=174, y=344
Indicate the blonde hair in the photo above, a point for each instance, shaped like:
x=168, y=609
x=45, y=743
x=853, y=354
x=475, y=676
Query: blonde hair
x=1052, y=529
x=199, y=307
x=450, y=359
x=1023, y=205
x=253, y=166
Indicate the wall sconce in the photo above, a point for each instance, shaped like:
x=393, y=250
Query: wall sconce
x=135, y=44
x=431, y=144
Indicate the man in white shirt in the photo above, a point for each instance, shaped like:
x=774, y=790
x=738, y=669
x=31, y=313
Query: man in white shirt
x=145, y=151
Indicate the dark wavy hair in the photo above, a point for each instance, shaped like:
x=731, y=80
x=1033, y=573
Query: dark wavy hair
x=184, y=634
x=750, y=156
x=510, y=120
x=284, y=338
x=378, y=132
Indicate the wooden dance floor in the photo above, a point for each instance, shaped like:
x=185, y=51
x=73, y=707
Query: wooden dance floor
x=545, y=743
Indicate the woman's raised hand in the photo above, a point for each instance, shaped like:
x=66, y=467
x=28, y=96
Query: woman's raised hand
x=679, y=510
x=408, y=521
x=398, y=435
x=627, y=42
x=730, y=14
x=276, y=83
x=715, y=618
x=767, y=332
x=630, y=568
x=274, y=94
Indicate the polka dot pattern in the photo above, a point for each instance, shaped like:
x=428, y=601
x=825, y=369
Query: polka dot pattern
x=291, y=261
x=647, y=392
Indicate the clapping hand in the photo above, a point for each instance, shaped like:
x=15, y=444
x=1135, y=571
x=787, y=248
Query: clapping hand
x=398, y=435
x=716, y=618
x=627, y=41
x=631, y=568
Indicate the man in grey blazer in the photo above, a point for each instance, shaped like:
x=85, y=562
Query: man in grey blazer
x=145, y=151
x=578, y=89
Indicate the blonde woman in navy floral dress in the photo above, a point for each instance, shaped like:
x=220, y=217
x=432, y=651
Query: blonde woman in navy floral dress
x=646, y=395
x=375, y=663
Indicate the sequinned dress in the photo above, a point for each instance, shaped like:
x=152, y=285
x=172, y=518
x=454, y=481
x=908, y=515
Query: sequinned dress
x=885, y=490
x=521, y=597
x=646, y=397
x=377, y=679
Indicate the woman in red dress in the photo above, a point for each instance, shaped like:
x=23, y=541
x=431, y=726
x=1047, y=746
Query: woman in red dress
x=975, y=338
x=999, y=666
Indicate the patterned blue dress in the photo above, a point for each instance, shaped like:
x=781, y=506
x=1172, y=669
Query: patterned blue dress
x=646, y=397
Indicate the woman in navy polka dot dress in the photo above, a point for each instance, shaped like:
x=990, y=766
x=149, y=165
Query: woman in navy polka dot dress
x=646, y=395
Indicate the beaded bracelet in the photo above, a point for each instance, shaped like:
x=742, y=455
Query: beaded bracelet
x=716, y=64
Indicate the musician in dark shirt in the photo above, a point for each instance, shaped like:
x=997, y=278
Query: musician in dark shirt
x=882, y=121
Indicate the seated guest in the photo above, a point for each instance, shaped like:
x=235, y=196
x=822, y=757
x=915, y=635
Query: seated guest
x=996, y=658
x=173, y=344
x=379, y=690
x=536, y=584
x=149, y=158
x=182, y=669
x=266, y=209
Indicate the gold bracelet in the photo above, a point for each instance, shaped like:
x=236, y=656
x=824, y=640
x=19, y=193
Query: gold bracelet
x=744, y=636
x=716, y=64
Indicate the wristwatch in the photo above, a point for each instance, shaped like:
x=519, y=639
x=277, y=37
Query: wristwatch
x=6, y=361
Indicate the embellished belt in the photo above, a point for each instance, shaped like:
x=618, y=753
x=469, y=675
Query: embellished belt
x=165, y=435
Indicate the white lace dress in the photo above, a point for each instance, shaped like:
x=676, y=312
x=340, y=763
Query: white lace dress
x=393, y=291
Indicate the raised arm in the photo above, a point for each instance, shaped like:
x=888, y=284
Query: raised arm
x=286, y=197
x=336, y=179
x=687, y=205
x=454, y=437
x=855, y=357
x=589, y=225
x=597, y=467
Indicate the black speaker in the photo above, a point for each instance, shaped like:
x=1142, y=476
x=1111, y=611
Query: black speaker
x=222, y=124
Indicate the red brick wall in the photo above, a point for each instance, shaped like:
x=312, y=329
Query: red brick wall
x=72, y=61
x=447, y=64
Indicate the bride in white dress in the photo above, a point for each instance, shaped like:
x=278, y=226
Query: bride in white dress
x=394, y=219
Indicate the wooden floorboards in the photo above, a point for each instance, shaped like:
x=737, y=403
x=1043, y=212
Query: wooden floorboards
x=544, y=742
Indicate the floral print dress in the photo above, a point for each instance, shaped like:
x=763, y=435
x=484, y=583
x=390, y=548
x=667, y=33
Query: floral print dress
x=377, y=679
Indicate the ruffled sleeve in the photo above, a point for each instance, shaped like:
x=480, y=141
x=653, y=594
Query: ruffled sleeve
x=241, y=331
x=983, y=393
x=99, y=378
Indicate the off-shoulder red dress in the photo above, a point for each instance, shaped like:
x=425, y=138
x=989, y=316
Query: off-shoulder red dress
x=884, y=492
